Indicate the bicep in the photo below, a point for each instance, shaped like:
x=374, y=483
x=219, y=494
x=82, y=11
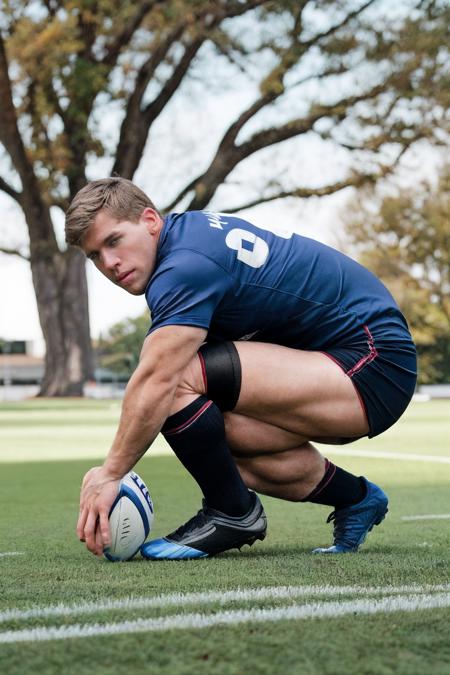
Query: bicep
x=168, y=350
x=186, y=291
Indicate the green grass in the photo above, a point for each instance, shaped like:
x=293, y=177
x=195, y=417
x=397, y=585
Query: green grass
x=38, y=511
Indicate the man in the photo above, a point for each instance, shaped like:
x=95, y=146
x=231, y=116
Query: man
x=260, y=343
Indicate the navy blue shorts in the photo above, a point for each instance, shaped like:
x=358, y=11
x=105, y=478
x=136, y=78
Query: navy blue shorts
x=383, y=369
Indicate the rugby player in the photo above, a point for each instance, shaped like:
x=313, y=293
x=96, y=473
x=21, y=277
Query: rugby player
x=261, y=344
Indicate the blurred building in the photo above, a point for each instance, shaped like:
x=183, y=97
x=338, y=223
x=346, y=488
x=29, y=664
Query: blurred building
x=22, y=365
x=21, y=362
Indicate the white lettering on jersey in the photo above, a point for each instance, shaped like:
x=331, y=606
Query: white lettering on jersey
x=215, y=219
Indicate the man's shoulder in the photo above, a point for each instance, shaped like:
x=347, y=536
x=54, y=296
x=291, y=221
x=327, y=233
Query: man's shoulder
x=187, y=267
x=196, y=233
x=206, y=220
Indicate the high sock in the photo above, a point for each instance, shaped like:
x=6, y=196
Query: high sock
x=337, y=488
x=196, y=434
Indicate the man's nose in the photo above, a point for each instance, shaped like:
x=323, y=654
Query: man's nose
x=110, y=260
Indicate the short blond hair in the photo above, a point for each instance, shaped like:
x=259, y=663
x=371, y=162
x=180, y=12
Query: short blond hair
x=119, y=197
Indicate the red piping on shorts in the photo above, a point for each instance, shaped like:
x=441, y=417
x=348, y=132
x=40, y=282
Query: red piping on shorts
x=360, y=399
x=191, y=420
x=368, y=357
x=202, y=365
x=358, y=366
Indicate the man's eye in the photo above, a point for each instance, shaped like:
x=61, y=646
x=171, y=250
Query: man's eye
x=114, y=241
x=93, y=257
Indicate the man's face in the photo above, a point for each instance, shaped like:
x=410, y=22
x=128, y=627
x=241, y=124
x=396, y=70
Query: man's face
x=123, y=251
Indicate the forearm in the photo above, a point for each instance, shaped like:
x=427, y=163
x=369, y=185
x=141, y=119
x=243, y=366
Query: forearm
x=145, y=407
x=149, y=394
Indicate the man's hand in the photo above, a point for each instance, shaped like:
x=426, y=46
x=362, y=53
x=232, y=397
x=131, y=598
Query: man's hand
x=98, y=493
x=146, y=404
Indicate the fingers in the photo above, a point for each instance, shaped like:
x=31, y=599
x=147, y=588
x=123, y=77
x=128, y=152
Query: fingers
x=99, y=543
x=97, y=495
x=90, y=533
x=103, y=526
x=81, y=523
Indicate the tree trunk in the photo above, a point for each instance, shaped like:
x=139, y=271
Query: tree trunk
x=61, y=292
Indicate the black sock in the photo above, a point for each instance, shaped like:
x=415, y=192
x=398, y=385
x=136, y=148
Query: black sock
x=196, y=434
x=337, y=488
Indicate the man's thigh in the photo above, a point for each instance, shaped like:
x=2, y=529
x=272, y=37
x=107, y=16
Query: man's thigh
x=250, y=437
x=304, y=393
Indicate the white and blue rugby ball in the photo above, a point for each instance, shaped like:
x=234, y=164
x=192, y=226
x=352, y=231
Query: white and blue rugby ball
x=130, y=518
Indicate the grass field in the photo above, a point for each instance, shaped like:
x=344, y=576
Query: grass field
x=273, y=608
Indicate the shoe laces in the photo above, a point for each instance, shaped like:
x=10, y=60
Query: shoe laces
x=346, y=526
x=197, y=521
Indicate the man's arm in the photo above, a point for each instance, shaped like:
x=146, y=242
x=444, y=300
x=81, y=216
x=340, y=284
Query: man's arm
x=146, y=405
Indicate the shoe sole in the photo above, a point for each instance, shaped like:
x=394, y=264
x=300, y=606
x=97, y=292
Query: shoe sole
x=377, y=522
x=380, y=519
x=250, y=542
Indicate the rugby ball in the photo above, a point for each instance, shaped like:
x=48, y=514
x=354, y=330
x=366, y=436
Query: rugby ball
x=130, y=518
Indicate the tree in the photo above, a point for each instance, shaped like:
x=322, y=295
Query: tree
x=119, y=349
x=367, y=83
x=406, y=242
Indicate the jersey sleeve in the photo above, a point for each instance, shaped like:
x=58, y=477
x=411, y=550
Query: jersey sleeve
x=185, y=290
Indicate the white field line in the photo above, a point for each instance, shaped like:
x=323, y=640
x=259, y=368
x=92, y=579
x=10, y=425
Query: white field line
x=316, y=610
x=405, y=456
x=209, y=597
x=430, y=516
x=7, y=554
x=34, y=454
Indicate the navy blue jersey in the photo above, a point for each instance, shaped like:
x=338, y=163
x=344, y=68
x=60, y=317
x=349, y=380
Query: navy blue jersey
x=239, y=281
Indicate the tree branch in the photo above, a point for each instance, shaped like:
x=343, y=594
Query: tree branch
x=320, y=36
x=62, y=203
x=356, y=180
x=134, y=129
x=5, y=187
x=302, y=193
x=128, y=31
x=206, y=18
x=14, y=251
x=228, y=154
x=233, y=130
x=188, y=188
x=338, y=111
x=87, y=30
x=9, y=133
x=36, y=212
x=154, y=108
x=52, y=7
x=136, y=124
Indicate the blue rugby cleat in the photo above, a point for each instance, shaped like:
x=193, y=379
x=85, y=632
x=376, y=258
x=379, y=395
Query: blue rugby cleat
x=208, y=533
x=352, y=524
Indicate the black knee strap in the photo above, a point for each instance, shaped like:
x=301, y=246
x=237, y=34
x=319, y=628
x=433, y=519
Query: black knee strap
x=222, y=373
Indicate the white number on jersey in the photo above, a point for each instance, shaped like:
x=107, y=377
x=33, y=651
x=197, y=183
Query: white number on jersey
x=255, y=256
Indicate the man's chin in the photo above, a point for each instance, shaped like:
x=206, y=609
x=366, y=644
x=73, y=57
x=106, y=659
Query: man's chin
x=135, y=291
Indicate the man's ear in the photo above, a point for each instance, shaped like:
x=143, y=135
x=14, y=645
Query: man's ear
x=152, y=220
